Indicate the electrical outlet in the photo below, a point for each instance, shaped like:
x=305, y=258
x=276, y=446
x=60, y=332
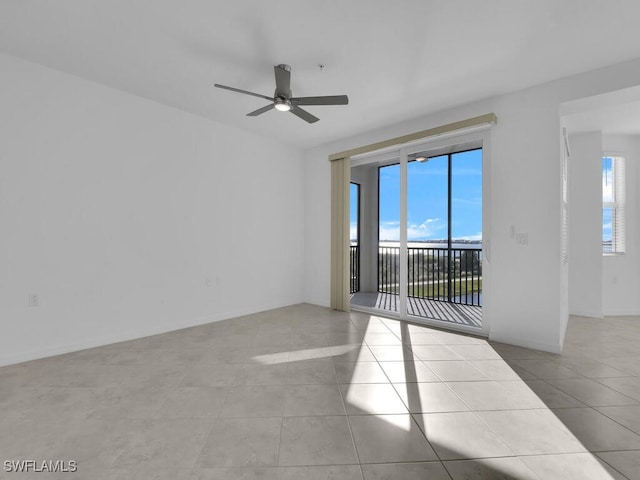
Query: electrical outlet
x=34, y=301
x=522, y=239
x=207, y=282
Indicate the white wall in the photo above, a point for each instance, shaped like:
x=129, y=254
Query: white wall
x=621, y=273
x=115, y=211
x=526, y=301
x=585, y=225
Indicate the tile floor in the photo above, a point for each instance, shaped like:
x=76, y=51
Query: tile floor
x=307, y=393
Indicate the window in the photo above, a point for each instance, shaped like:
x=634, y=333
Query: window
x=613, y=205
x=354, y=236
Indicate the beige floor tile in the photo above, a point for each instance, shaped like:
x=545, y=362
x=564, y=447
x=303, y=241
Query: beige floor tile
x=333, y=472
x=451, y=338
x=408, y=372
x=461, y=435
x=627, y=463
x=501, y=395
x=233, y=473
x=596, y=431
x=499, y=370
x=455, y=370
x=590, y=368
x=389, y=438
x=429, y=397
x=127, y=401
x=532, y=432
x=312, y=372
x=241, y=442
x=628, y=364
x=193, y=402
x=298, y=354
x=316, y=441
x=253, y=401
x=47, y=402
x=305, y=339
x=629, y=386
x=509, y=468
x=352, y=353
x=475, y=352
x=546, y=369
x=405, y=471
x=575, y=466
x=360, y=372
x=423, y=337
x=629, y=416
x=367, y=399
x=387, y=353
x=381, y=339
x=513, y=352
x=592, y=393
x=434, y=352
x=551, y=396
x=161, y=443
x=252, y=374
x=216, y=375
x=308, y=400
x=61, y=438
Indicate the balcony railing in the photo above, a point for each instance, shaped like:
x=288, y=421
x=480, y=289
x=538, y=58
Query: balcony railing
x=450, y=275
x=354, y=273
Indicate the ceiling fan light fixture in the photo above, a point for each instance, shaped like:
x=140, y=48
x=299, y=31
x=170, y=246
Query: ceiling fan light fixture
x=283, y=105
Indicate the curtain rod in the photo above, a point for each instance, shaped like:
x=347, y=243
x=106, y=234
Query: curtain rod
x=469, y=122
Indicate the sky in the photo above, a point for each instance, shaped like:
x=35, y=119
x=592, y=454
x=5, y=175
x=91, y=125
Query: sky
x=607, y=196
x=427, y=188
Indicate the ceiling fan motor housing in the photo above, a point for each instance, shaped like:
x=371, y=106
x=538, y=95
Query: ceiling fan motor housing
x=282, y=93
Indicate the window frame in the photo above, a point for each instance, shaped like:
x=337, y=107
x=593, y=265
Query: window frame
x=617, y=205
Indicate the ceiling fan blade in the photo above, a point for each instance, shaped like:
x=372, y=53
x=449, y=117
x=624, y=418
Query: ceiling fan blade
x=283, y=80
x=303, y=114
x=243, y=91
x=260, y=111
x=326, y=100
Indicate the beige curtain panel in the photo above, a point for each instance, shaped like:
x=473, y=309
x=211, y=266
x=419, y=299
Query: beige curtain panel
x=340, y=177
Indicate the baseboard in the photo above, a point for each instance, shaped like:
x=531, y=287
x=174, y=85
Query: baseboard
x=586, y=313
x=519, y=342
x=322, y=302
x=624, y=312
x=123, y=336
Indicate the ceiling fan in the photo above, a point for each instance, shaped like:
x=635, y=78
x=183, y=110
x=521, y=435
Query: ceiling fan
x=284, y=102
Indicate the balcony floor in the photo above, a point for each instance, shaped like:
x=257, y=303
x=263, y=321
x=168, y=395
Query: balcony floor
x=449, y=312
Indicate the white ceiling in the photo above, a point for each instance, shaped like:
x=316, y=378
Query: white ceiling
x=395, y=59
x=610, y=113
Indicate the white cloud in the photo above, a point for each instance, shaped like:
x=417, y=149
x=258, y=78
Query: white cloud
x=390, y=231
x=607, y=190
x=426, y=230
x=353, y=231
x=477, y=237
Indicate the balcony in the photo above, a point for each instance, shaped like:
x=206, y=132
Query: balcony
x=443, y=283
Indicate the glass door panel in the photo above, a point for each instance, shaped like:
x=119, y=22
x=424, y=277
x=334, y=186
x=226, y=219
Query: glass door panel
x=466, y=227
x=444, y=235
x=389, y=237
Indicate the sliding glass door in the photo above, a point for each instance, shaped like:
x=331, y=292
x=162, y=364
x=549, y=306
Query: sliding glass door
x=426, y=231
x=444, y=236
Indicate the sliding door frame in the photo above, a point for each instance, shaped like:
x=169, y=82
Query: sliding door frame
x=400, y=154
